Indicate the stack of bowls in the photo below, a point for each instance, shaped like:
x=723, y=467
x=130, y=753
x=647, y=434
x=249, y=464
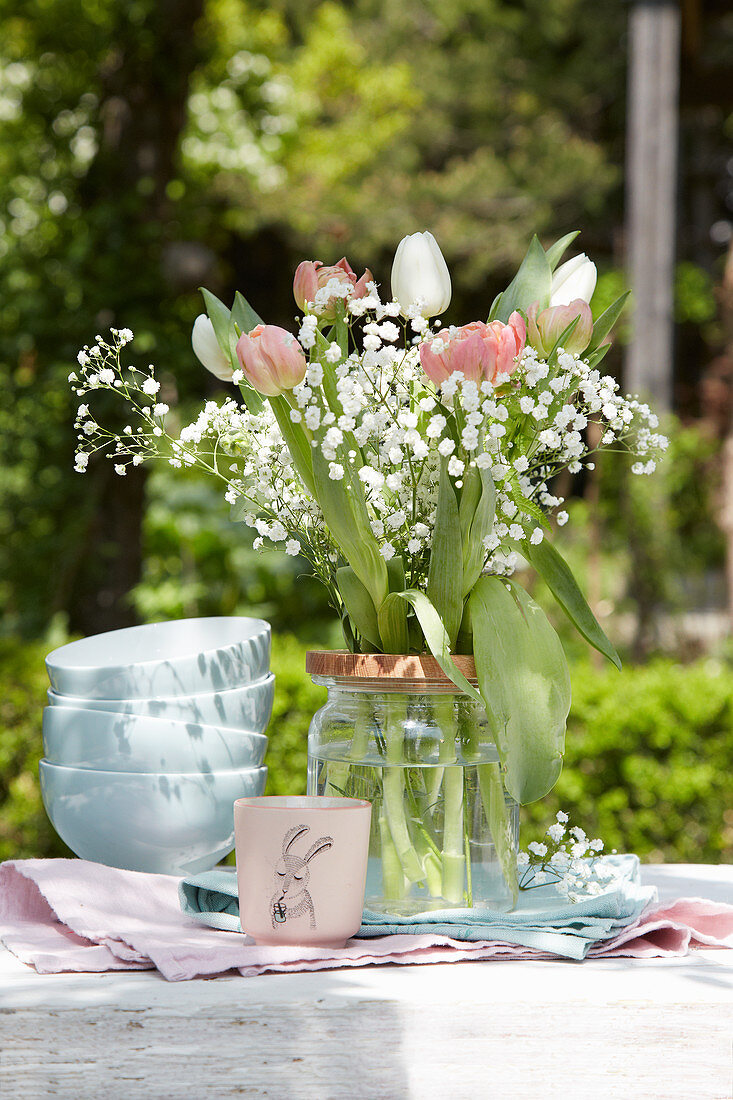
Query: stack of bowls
x=150, y=735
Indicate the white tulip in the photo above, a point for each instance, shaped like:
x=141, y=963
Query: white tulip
x=574, y=279
x=420, y=273
x=207, y=350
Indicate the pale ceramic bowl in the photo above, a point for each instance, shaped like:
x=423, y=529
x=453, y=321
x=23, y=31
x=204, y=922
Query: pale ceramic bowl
x=180, y=657
x=245, y=708
x=174, y=824
x=114, y=742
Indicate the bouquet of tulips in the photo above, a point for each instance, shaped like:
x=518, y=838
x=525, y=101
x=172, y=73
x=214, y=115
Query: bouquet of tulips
x=412, y=464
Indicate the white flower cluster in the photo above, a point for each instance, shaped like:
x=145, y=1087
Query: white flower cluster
x=382, y=426
x=568, y=860
x=100, y=368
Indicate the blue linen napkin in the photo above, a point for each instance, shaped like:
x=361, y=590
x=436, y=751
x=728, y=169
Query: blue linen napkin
x=542, y=918
x=212, y=898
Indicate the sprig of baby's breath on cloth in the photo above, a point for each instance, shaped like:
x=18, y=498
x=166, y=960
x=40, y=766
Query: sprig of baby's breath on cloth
x=567, y=860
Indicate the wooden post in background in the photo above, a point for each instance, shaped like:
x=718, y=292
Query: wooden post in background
x=726, y=509
x=651, y=176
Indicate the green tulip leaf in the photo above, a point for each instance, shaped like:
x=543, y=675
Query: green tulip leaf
x=532, y=283
x=470, y=496
x=396, y=573
x=346, y=517
x=595, y=357
x=220, y=318
x=524, y=681
x=359, y=604
x=436, y=639
x=445, y=573
x=348, y=632
x=477, y=520
x=558, y=577
x=244, y=315
x=557, y=250
x=250, y=396
x=393, y=629
x=603, y=325
x=297, y=442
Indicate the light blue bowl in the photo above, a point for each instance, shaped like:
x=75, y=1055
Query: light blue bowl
x=174, y=824
x=136, y=743
x=180, y=657
x=245, y=708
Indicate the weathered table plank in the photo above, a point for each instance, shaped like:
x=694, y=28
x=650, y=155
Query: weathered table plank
x=615, y=1029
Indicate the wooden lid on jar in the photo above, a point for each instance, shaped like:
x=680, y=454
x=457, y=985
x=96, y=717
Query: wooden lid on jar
x=383, y=666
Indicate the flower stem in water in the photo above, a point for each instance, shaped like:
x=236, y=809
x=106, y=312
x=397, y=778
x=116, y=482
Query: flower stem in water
x=393, y=786
x=454, y=860
x=393, y=880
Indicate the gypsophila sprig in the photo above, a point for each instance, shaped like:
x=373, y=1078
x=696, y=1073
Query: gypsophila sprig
x=375, y=415
x=381, y=401
x=567, y=860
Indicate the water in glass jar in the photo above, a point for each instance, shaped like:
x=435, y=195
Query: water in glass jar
x=441, y=833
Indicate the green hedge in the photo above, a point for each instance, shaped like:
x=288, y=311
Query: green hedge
x=649, y=763
x=24, y=828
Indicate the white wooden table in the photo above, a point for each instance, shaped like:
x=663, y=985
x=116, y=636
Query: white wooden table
x=595, y=1030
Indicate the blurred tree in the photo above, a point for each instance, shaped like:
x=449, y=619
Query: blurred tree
x=150, y=146
x=95, y=97
x=113, y=220
x=491, y=120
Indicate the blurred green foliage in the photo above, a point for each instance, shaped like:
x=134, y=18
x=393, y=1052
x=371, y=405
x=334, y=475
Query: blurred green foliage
x=148, y=147
x=694, y=294
x=646, y=548
x=197, y=562
x=649, y=764
x=25, y=830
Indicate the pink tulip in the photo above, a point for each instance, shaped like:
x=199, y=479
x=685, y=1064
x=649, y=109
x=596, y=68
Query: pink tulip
x=271, y=358
x=311, y=276
x=546, y=328
x=482, y=352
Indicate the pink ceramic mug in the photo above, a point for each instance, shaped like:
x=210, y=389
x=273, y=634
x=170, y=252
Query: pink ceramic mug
x=301, y=868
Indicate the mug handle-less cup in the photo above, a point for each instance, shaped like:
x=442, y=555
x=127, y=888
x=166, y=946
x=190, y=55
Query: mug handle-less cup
x=301, y=868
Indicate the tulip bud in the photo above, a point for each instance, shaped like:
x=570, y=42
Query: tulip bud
x=312, y=280
x=207, y=351
x=545, y=329
x=420, y=274
x=575, y=278
x=271, y=358
x=481, y=352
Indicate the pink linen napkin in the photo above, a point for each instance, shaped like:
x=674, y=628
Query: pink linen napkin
x=61, y=915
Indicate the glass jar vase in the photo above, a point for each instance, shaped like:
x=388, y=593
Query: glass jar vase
x=397, y=732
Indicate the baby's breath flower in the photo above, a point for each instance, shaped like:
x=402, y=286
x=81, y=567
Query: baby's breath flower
x=564, y=862
x=386, y=422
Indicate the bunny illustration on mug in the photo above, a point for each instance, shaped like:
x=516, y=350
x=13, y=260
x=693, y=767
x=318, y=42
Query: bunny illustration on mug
x=292, y=874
